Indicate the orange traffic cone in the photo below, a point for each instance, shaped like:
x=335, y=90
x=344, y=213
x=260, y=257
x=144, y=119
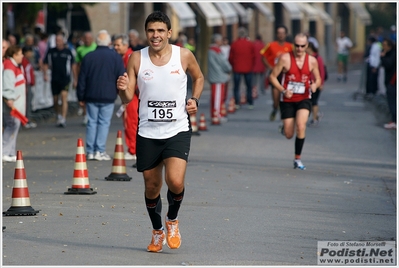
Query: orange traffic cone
x=254, y=92
x=202, y=124
x=223, y=111
x=232, y=106
x=243, y=99
x=215, y=118
x=20, y=205
x=118, y=172
x=194, y=127
x=80, y=182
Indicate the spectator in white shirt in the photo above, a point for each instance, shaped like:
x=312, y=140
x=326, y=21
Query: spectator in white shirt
x=373, y=64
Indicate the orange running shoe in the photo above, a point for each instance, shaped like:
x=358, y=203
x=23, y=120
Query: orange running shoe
x=158, y=239
x=173, y=237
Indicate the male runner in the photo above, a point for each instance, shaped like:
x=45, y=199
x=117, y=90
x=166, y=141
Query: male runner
x=296, y=88
x=271, y=53
x=164, y=132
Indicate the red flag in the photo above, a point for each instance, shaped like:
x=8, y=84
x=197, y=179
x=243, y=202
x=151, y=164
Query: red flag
x=15, y=113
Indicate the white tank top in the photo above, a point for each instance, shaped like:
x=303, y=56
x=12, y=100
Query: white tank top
x=162, y=99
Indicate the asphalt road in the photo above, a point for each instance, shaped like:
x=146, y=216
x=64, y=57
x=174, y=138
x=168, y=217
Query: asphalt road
x=244, y=203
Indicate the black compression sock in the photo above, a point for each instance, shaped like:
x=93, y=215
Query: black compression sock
x=154, y=208
x=174, y=204
x=299, y=145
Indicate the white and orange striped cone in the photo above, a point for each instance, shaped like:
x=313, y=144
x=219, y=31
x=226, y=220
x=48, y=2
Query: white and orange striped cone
x=223, y=111
x=243, y=99
x=202, y=124
x=80, y=182
x=215, y=118
x=118, y=172
x=254, y=92
x=194, y=127
x=20, y=205
x=232, y=106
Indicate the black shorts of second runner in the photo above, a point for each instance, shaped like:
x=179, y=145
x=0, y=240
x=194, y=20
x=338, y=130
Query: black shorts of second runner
x=289, y=109
x=57, y=87
x=150, y=152
x=315, y=97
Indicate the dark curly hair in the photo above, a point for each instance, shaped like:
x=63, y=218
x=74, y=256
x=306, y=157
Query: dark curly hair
x=158, y=16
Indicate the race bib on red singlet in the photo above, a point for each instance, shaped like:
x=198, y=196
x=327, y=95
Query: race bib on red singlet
x=161, y=111
x=296, y=87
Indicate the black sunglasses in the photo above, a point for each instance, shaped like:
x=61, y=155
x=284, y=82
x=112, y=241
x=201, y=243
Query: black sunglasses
x=302, y=46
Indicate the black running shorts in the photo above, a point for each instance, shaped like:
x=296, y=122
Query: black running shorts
x=315, y=97
x=57, y=87
x=150, y=152
x=289, y=109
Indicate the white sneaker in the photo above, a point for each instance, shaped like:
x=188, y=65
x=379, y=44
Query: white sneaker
x=8, y=158
x=298, y=164
x=391, y=125
x=61, y=122
x=30, y=125
x=129, y=156
x=102, y=156
x=84, y=122
x=90, y=157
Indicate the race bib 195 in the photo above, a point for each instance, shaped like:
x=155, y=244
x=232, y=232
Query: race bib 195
x=161, y=111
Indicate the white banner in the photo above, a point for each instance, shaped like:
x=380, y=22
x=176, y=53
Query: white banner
x=42, y=97
x=356, y=253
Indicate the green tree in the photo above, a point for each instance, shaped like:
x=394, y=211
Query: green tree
x=382, y=15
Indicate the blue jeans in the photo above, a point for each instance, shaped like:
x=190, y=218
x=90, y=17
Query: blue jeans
x=248, y=83
x=99, y=117
x=11, y=127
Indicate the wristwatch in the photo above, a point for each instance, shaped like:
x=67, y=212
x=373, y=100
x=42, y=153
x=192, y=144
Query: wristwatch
x=196, y=100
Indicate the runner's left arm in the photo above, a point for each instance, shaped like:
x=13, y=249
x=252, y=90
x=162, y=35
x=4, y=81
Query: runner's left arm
x=198, y=79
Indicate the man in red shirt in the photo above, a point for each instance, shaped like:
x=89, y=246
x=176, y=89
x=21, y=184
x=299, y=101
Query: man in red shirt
x=271, y=52
x=241, y=58
x=130, y=114
x=297, y=68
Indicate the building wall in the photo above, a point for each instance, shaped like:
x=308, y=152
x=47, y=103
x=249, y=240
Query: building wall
x=263, y=25
x=358, y=36
x=138, y=14
x=120, y=17
x=112, y=17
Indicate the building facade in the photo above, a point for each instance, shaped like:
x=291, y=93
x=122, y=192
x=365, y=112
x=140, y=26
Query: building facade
x=200, y=20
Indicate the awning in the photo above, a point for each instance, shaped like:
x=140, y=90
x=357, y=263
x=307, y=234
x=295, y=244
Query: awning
x=361, y=12
x=325, y=16
x=311, y=13
x=265, y=11
x=294, y=10
x=228, y=12
x=212, y=15
x=185, y=14
x=241, y=12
